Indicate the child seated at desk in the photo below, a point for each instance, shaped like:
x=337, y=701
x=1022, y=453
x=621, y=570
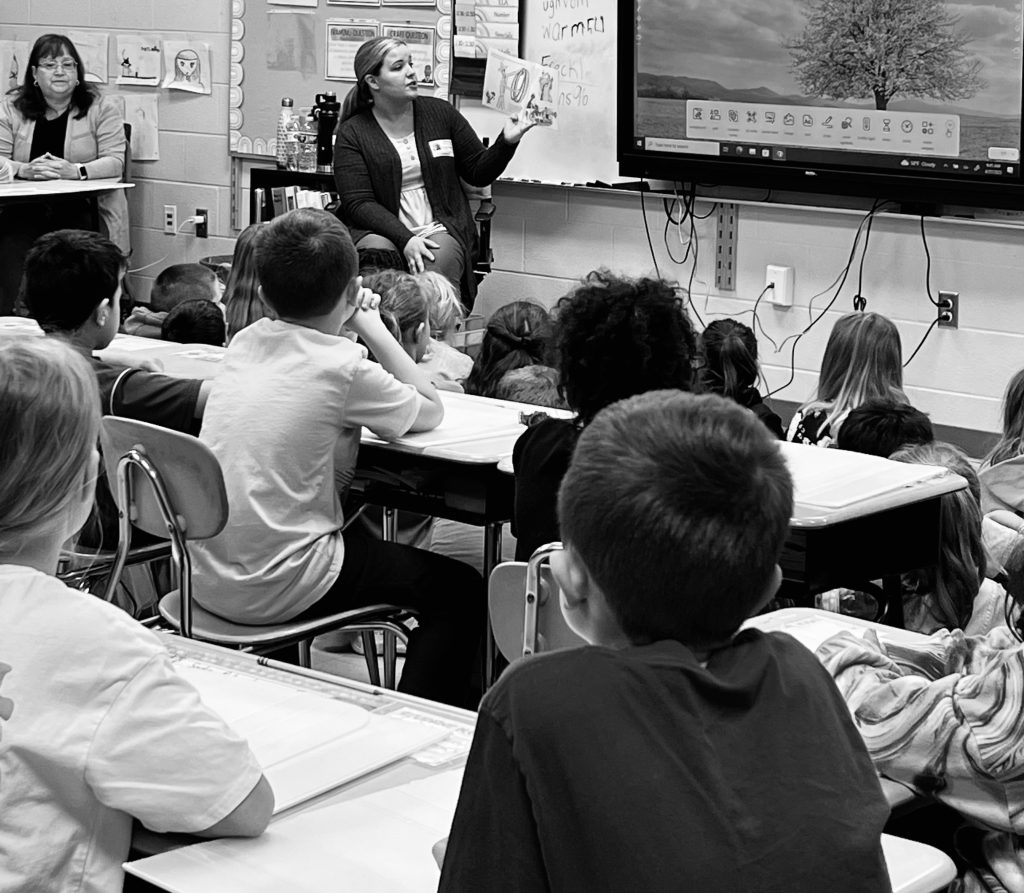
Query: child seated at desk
x=284, y=421
x=195, y=322
x=442, y=360
x=95, y=724
x=172, y=286
x=614, y=337
x=881, y=426
x=518, y=334
x=674, y=752
x=72, y=288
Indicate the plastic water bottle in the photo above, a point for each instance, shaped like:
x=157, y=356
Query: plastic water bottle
x=284, y=125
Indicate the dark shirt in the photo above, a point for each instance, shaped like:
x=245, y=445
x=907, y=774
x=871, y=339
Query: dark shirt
x=601, y=770
x=752, y=400
x=540, y=458
x=48, y=136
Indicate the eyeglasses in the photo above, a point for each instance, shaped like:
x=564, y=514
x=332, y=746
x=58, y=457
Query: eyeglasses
x=51, y=65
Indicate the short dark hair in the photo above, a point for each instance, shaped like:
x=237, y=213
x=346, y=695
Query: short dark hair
x=880, y=427
x=678, y=505
x=195, y=322
x=373, y=259
x=67, y=274
x=306, y=261
x=616, y=337
x=182, y=282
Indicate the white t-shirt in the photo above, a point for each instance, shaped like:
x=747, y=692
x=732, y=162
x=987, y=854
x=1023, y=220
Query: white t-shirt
x=283, y=419
x=96, y=727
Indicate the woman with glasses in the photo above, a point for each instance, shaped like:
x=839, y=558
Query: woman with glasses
x=55, y=126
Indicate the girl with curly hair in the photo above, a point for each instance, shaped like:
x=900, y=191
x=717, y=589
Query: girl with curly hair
x=614, y=337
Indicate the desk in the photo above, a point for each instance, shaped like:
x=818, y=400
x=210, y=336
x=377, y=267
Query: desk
x=380, y=843
x=185, y=360
x=31, y=190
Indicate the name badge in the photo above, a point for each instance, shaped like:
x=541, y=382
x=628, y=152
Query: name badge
x=441, y=148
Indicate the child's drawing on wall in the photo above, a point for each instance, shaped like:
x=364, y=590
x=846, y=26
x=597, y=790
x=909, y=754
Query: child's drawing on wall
x=139, y=60
x=188, y=66
x=13, y=54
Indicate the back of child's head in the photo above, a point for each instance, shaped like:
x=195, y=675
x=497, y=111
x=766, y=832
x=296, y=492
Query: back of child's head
x=242, y=302
x=67, y=274
x=962, y=559
x=195, y=322
x=406, y=302
x=678, y=505
x=880, y=426
x=518, y=334
x=536, y=384
x=183, y=282
x=1011, y=441
x=306, y=261
x=863, y=359
x=445, y=308
x=616, y=337
x=730, y=358
x=48, y=397
x=374, y=259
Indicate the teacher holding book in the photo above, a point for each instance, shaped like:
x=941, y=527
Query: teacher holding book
x=398, y=160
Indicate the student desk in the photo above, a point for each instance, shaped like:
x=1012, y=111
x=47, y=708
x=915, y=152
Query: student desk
x=374, y=834
x=27, y=191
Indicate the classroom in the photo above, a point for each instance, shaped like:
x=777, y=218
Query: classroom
x=473, y=516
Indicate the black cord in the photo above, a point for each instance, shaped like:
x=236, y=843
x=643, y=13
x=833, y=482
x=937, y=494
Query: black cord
x=859, y=301
x=920, y=344
x=757, y=319
x=928, y=265
x=647, y=229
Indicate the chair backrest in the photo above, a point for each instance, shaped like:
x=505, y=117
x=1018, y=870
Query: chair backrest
x=185, y=468
x=126, y=173
x=523, y=601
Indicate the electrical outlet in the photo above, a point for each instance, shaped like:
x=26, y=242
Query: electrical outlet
x=949, y=309
x=202, y=225
x=171, y=219
x=778, y=282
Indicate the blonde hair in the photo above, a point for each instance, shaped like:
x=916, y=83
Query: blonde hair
x=444, y=308
x=1011, y=441
x=50, y=416
x=863, y=359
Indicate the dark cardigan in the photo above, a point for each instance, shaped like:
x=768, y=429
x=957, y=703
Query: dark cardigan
x=368, y=173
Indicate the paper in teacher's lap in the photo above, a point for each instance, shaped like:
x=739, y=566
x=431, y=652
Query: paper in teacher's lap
x=811, y=626
x=380, y=842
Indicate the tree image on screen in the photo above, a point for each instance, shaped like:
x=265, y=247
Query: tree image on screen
x=884, y=49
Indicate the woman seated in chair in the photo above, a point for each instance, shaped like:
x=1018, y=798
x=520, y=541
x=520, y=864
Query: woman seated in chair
x=398, y=159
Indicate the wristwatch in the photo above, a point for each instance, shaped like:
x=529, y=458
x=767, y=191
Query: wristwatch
x=83, y=174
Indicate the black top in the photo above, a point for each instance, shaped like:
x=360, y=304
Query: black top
x=49, y=136
x=601, y=770
x=751, y=399
x=540, y=458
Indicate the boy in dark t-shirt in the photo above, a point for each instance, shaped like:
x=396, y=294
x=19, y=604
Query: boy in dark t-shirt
x=72, y=288
x=675, y=752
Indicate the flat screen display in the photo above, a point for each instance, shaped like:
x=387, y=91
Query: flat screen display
x=909, y=100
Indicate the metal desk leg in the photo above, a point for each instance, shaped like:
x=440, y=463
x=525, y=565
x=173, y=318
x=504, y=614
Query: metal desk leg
x=492, y=557
x=390, y=527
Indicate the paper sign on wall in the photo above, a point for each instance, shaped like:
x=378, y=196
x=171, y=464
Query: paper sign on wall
x=517, y=87
x=187, y=66
x=13, y=59
x=139, y=59
x=343, y=39
x=92, y=46
x=140, y=110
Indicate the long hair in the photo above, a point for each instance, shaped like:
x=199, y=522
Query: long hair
x=863, y=359
x=1011, y=442
x=730, y=358
x=955, y=581
x=517, y=335
x=29, y=99
x=48, y=396
x=406, y=301
x=368, y=61
x=242, y=302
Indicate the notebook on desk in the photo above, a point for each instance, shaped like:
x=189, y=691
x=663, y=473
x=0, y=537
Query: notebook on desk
x=306, y=742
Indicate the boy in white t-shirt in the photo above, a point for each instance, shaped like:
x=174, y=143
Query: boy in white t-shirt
x=284, y=419
x=96, y=727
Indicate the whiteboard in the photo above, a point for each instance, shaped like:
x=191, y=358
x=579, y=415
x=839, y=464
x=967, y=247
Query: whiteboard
x=579, y=38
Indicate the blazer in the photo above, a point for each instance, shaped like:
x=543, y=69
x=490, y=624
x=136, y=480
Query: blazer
x=96, y=141
x=368, y=173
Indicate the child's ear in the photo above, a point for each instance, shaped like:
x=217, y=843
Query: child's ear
x=572, y=576
x=770, y=589
x=102, y=312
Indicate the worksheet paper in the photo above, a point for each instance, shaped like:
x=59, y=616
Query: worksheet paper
x=307, y=743
x=381, y=842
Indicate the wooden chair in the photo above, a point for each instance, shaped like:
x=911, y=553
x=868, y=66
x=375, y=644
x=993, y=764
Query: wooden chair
x=170, y=485
x=522, y=599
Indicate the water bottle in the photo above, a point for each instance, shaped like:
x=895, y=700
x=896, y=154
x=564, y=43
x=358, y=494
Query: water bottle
x=284, y=125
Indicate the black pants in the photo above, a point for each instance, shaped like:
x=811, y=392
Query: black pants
x=21, y=223
x=448, y=596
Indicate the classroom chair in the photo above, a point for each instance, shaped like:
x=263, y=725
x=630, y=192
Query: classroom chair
x=916, y=867
x=170, y=485
x=522, y=600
